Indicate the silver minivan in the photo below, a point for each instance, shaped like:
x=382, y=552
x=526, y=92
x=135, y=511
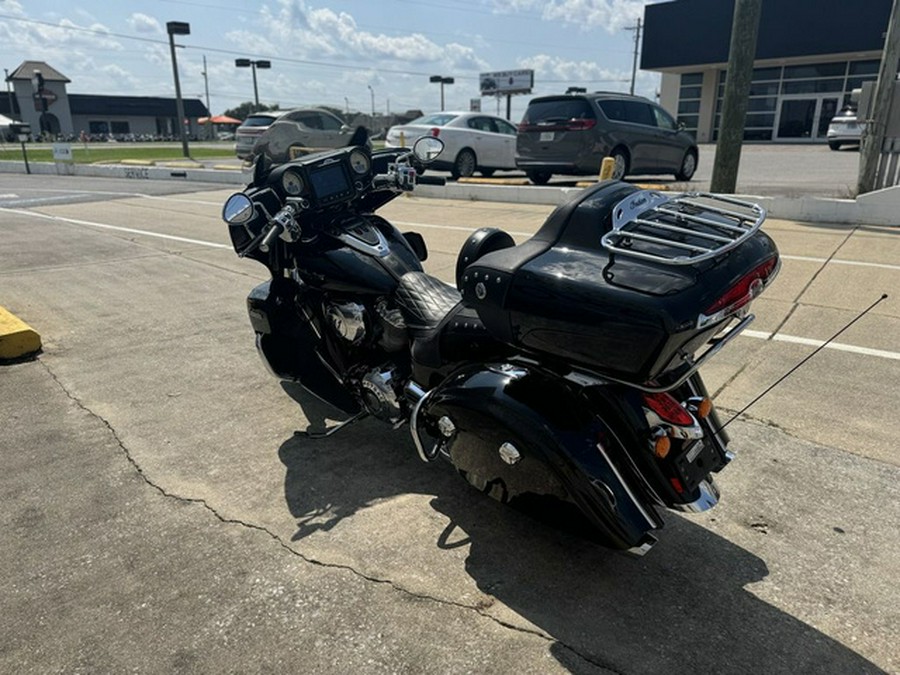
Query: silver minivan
x=572, y=133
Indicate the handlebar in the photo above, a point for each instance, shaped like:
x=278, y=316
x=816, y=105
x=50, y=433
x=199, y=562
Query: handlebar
x=431, y=180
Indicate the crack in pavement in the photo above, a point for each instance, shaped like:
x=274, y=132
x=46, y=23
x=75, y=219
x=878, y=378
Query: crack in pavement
x=479, y=608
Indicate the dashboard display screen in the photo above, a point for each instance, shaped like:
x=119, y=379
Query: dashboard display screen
x=328, y=180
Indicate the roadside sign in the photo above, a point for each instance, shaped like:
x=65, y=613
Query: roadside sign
x=62, y=152
x=506, y=82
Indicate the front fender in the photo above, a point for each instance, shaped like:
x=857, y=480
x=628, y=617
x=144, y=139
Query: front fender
x=526, y=436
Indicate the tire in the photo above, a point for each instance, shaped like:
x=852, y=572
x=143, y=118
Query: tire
x=620, y=156
x=834, y=145
x=465, y=164
x=688, y=166
x=539, y=177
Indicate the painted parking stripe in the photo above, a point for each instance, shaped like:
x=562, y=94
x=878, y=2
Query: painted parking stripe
x=778, y=337
x=117, y=228
x=838, y=346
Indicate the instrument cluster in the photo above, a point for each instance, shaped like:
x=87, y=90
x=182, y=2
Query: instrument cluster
x=327, y=180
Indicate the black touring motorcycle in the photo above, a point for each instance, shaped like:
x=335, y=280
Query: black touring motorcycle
x=559, y=375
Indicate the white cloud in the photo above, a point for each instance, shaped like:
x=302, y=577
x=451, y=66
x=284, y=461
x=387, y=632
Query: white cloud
x=141, y=23
x=611, y=15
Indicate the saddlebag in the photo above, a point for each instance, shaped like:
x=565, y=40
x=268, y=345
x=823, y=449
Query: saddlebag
x=526, y=438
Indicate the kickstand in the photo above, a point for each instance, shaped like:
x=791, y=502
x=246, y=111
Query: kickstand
x=333, y=430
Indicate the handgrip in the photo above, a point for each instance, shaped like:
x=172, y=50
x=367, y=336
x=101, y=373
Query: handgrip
x=430, y=180
x=270, y=236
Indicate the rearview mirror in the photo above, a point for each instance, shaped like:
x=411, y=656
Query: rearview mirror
x=427, y=148
x=238, y=209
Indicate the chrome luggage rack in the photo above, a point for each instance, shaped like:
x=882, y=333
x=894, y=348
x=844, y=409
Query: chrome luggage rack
x=680, y=229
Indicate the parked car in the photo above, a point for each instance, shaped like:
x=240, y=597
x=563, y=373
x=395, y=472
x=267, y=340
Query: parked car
x=844, y=129
x=472, y=141
x=317, y=129
x=572, y=133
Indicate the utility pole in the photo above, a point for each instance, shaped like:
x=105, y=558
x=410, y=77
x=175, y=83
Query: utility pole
x=209, y=126
x=876, y=125
x=744, y=29
x=637, y=42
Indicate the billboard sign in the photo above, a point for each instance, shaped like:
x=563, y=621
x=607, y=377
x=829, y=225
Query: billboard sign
x=506, y=82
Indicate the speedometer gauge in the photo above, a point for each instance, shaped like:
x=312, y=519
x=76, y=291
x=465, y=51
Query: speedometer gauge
x=292, y=182
x=360, y=162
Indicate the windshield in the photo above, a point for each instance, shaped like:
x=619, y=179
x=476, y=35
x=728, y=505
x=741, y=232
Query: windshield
x=435, y=119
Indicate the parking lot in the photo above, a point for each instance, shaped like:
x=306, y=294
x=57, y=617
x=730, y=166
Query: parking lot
x=160, y=514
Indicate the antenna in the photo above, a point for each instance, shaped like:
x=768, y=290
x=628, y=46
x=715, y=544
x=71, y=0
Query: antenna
x=792, y=370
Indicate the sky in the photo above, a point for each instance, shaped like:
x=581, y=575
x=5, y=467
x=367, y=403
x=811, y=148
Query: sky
x=355, y=55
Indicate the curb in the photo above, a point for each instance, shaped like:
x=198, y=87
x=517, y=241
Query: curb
x=17, y=339
x=875, y=208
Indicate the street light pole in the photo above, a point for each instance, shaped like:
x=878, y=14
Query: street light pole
x=174, y=28
x=443, y=80
x=248, y=63
x=372, y=93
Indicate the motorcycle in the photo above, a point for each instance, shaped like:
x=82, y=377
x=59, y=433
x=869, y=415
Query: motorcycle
x=559, y=375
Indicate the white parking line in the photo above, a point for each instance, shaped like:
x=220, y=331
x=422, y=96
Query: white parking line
x=117, y=228
x=838, y=346
x=761, y=335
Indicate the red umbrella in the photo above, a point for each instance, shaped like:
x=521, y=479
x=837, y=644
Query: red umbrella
x=219, y=119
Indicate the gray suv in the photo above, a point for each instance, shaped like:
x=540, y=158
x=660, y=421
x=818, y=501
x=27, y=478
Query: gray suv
x=572, y=133
x=316, y=129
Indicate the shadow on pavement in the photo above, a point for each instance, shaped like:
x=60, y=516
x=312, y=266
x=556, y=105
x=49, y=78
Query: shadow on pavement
x=683, y=608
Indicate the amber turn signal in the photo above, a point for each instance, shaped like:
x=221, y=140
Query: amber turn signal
x=661, y=447
x=704, y=407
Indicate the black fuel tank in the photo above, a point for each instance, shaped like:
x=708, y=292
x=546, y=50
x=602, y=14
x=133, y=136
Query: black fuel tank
x=361, y=255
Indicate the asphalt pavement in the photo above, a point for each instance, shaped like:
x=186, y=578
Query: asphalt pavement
x=159, y=514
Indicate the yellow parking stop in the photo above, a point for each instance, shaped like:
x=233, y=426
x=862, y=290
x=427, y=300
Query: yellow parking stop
x=17, y=339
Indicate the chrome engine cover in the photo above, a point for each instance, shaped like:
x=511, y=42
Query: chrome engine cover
x=380, y=395
x=347, y=319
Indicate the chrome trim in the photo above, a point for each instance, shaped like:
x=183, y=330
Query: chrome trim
x=585, y=379
x=647, y=216
x=631, y=496
x=648, y=542
x=380, y=250
x=414, y=390
x=509, y=453
x=709, y=497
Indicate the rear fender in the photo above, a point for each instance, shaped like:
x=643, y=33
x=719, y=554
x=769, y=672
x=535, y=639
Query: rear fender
x=525, y=436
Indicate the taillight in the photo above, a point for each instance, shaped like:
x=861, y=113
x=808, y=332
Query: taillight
x=434, y=131
x=580, y=125
x=523, y=127
x=741, y=293
x=668, y=409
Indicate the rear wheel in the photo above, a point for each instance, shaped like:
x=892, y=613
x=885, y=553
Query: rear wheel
x=539, y=177
x=688, y=166
x=465, y=164
x=620, y=168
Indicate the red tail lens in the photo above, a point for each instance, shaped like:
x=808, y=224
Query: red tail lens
x=580, y=125
x=523, y=126
x=434, y=131
x=668, y=409
x=747, y=288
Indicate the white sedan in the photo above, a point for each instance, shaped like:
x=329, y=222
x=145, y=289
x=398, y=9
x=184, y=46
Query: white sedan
x=472, y=141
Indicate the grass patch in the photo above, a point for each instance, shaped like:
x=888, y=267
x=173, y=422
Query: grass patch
x=97, y=152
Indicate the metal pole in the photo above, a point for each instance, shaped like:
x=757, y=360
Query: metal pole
x=744, y=29
x=442, y=96
x=9, y=93
x=255, y=90
x=209, y=125
x=875, y=127
x=179, y=104
x=637, y=40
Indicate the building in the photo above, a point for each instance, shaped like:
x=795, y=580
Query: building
x=99, y=116
x=810, y=55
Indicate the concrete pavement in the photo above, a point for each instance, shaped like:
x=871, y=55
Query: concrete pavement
x=160, y=515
